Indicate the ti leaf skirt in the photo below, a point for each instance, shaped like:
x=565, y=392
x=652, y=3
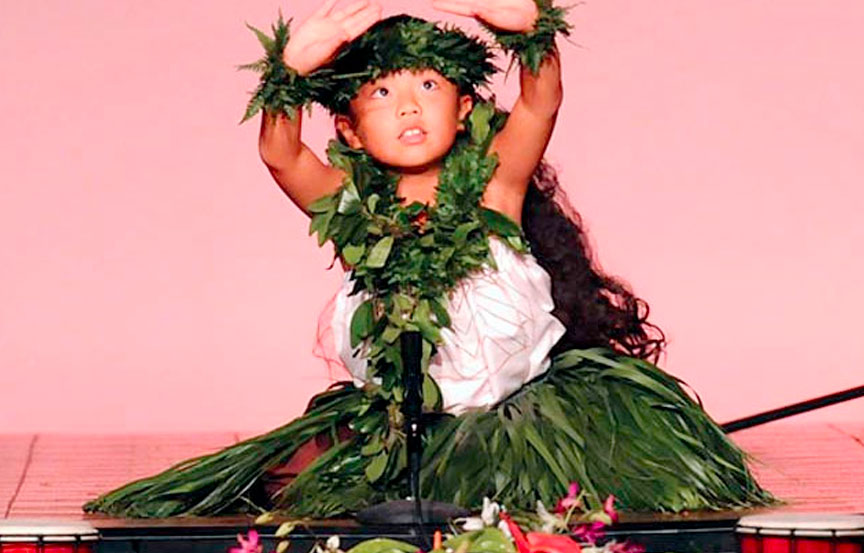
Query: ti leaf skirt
x=614, y=424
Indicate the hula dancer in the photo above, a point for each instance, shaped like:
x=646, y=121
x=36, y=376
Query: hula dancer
x=539, y=367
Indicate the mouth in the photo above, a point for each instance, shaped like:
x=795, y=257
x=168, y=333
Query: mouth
x=413, y=135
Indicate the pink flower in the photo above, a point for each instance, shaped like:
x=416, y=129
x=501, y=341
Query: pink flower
x=570, y=500
x=609, y=508
x=247, y=545
x=590, y=533
x=624, y=547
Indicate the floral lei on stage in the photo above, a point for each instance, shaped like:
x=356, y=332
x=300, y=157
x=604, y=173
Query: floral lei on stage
x=570, y=527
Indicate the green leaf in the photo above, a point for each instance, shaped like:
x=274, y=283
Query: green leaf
x=337, y=157
x=376, y=467
x=323, y=204
x=441, y=314
x=349, y=200
x=461, y=232
x=424, y=322
x=320, y=223
x=491, y=540
x=518, y=244
x=374, y=446
x=499, y=223
x=383, y=545
x=362, y=322
x=428, y=240
x=479, y=120
x=265, y=40
x=431, y=394
x=372, y=202
x=391, y=334
x=379, y=253
x=403, y=302
x=353, y=253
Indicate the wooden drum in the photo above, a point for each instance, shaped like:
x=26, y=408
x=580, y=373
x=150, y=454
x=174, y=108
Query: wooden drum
x=801, y=533
x=47, y=536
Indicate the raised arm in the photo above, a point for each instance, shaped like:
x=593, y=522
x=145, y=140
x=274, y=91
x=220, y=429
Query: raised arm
x=527, y=28
x=296, y=169
x=522, y=142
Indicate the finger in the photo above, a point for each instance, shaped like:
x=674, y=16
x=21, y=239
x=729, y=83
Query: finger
x=454, y=7
x=467, y=4
x=341, y=15
x=457, y=6
x=359, y=25
x=361, y=19
x=325, y=8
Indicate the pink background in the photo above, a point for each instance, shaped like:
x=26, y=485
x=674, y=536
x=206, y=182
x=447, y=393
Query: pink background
x=154, y=278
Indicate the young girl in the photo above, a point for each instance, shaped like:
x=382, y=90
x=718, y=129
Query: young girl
x=449, y=224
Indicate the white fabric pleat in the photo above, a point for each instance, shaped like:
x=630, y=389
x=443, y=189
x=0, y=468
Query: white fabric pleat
x=502, y=332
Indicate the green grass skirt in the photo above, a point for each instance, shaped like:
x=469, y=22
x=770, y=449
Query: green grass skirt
x=614, y=424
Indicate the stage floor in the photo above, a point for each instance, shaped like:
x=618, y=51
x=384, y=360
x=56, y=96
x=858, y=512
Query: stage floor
x=812, y=466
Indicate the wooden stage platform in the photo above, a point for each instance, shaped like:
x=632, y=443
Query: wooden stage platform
x=812, y=466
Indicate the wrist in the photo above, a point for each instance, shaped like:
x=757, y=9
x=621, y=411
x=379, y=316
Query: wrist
x=282, y=89
x=534, y=45
x=289, y=58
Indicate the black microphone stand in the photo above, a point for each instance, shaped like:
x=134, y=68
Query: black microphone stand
x=412, y=510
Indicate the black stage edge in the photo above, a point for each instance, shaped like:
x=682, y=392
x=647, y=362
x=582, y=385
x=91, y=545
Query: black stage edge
x=712, y=534
x=791, y=410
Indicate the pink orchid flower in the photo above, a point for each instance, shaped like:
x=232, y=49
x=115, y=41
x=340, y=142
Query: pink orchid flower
x=591, y=532
x=247, y=545
x=570, y=500
x=609, y=508
x=624, y=547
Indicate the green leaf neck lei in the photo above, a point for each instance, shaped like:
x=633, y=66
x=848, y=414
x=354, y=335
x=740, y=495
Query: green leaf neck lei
x=409, y=258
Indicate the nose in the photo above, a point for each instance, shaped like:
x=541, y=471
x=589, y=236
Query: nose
x=408, y=106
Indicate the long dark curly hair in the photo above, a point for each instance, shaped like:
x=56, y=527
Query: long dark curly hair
x=597, y=309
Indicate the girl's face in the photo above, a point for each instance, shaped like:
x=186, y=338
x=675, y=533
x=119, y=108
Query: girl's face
x=407, y=120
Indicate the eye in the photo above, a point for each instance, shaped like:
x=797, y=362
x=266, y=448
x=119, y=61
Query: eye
x=384, y=92
x=432, y=84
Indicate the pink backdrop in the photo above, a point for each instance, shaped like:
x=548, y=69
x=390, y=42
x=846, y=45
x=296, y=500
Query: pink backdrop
x=154, y=278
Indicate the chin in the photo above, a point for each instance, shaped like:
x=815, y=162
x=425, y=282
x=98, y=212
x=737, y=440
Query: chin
x=409, y=162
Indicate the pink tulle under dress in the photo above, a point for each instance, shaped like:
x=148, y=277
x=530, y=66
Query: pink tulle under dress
x=502, y=331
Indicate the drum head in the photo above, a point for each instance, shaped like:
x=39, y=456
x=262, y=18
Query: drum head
x=23, y=530
x=802, y=524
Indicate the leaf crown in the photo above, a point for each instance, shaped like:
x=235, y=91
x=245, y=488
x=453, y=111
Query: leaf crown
x=392, y=44
x=403, y=42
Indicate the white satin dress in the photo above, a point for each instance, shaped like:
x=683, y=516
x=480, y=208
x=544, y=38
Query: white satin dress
x=502, y=331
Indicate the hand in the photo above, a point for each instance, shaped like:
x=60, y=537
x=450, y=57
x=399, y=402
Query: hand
x=507, y=15
x=318, y=39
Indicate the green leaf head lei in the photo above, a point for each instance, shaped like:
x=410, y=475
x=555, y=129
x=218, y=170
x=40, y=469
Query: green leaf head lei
x=392, y=44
